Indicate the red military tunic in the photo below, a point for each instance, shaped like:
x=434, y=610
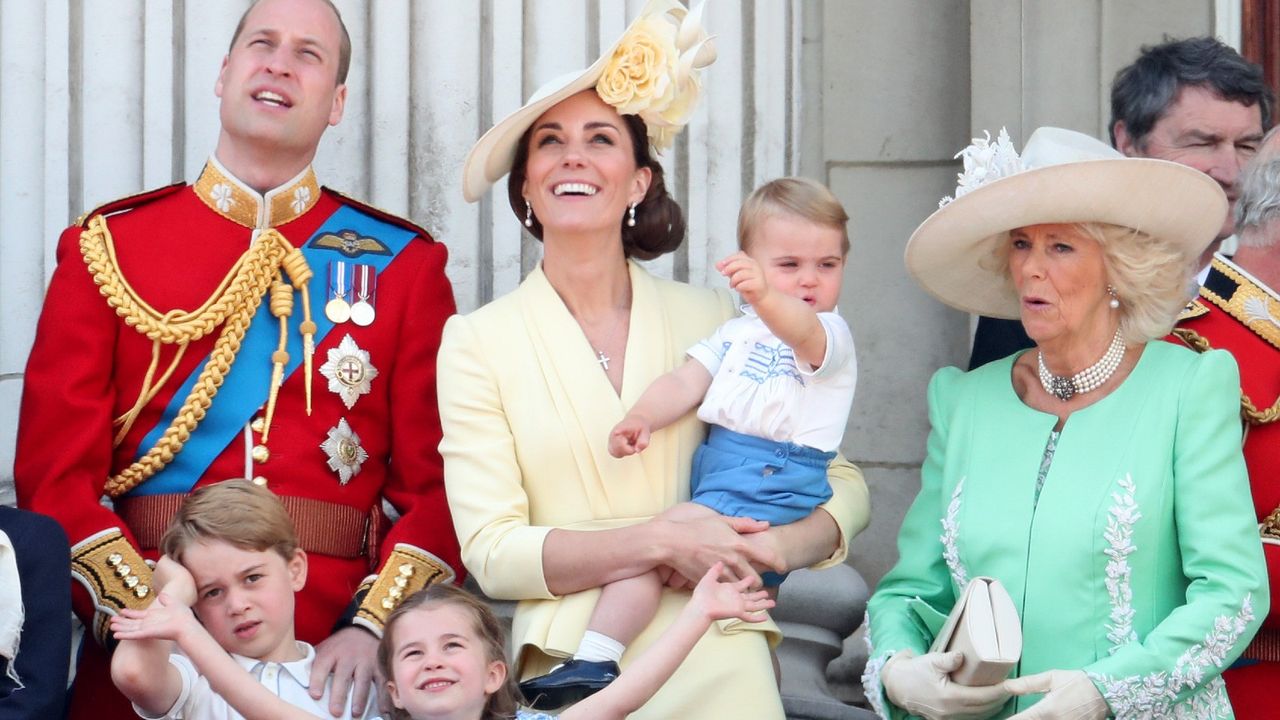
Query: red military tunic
x=1237, y=313
x=174, y=247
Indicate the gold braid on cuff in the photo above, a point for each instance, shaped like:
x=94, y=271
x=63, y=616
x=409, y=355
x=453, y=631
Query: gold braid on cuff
x=232, y=306
x=114, y=574
x=408, y=569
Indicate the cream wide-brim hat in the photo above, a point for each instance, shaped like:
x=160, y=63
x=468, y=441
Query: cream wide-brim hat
x=1068, y=177
x=493, y=154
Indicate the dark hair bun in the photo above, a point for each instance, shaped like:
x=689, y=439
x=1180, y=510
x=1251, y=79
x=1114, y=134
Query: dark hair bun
x=660, y=225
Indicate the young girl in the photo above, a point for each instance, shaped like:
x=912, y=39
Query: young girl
x=442, y=655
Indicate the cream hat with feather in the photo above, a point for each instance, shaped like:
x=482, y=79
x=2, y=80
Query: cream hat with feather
x=1062, y=176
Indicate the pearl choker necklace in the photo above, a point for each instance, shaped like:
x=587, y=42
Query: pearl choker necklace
x=1064, y=387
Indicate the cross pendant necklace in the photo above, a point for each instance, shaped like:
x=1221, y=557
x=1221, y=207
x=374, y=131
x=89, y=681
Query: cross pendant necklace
x=602, y=360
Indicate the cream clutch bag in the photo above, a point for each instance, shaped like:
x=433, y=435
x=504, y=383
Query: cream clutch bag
x=984, y=625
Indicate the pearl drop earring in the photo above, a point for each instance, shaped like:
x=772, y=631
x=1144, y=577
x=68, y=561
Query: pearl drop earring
x=1115, y=299
x=631, y=216
x=528, y=214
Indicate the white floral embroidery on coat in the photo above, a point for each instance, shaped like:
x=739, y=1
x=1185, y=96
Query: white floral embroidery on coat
x=1119, y=536
x=221, y=194
x=871, y=687
x=301, y=196
x=951, y=531
x=1154, y=696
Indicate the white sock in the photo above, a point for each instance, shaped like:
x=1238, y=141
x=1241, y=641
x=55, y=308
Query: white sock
x=598, y=647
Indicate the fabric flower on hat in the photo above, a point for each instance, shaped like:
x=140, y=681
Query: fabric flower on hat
x=652, y=71
x=984, y=162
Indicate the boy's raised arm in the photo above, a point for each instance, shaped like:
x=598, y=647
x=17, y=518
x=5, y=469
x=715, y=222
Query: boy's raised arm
x=791, y=319
x=169, y=621
x=140, y=665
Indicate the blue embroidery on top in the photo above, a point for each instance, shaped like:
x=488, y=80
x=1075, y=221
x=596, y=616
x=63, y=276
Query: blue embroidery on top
x=770, y=361
x=719, y=352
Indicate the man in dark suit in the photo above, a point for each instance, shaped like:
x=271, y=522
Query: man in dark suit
x=35, y=635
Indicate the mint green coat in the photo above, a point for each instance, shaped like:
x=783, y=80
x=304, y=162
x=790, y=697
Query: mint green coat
x=1140, y=563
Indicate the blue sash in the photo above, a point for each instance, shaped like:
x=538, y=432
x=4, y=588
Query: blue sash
x=247, y=384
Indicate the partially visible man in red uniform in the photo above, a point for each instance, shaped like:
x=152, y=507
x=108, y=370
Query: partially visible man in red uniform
x=250, y=325
x=1238, y=310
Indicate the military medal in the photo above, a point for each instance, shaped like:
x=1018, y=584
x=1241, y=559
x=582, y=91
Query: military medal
x=337, y=309
x=364, y=284
x=342, y=446
x=349, y=371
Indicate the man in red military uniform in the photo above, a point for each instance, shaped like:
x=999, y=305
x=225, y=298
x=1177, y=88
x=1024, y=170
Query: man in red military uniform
x=1238, y=310
x=251, y=325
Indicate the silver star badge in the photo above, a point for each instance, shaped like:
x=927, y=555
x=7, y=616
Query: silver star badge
x=349, y=371
x=344, y=451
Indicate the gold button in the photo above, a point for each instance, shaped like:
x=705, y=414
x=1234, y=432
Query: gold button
x=406, y=570
x=260, y=481
x=395, y=592
x=258, y=425
x=141, y=591
x=124, y=570
x=115, y=559
x=388, y=604
x=131, y=581
x=402, y=581
x=260, y=453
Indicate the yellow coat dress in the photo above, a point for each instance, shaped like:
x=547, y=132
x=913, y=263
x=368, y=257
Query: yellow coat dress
x=526, y=412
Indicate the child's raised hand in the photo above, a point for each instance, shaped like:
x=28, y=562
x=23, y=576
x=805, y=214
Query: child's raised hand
x=175, y=580
x=629, y=437
x=720, y=599
x=164, y=619
x=745, y=276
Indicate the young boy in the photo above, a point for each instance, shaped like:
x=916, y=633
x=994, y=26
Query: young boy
x=231, y=554
x=776, y=384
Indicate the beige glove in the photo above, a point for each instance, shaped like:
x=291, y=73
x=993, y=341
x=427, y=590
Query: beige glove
x=921, y=686
x=1069, y=695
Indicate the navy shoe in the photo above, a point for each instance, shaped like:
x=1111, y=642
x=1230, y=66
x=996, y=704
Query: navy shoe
x=568, y=682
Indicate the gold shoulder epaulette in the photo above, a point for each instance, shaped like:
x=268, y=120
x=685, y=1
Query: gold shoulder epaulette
x=1236, y=293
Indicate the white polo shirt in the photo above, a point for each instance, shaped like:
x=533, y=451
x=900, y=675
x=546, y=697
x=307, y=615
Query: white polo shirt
x=288, y=681
x=758, y=389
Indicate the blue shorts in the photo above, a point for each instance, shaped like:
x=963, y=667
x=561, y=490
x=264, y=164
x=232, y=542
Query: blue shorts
x=746, y=476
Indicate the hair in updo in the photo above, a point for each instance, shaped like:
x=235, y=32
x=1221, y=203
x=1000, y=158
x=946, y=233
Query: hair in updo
x=660, y=225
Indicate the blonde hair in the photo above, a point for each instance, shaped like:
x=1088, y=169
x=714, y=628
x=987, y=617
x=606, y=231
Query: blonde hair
x=236, y=512
x=801, y=197
x=1151, y=277
x=502, y=704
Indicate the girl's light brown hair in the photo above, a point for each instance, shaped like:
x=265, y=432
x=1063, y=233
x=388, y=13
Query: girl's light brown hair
x=501, y=705
x=236, y=512
x=796, y=196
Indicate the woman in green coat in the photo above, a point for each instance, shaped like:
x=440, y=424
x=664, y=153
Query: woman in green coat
x=1097, y=476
